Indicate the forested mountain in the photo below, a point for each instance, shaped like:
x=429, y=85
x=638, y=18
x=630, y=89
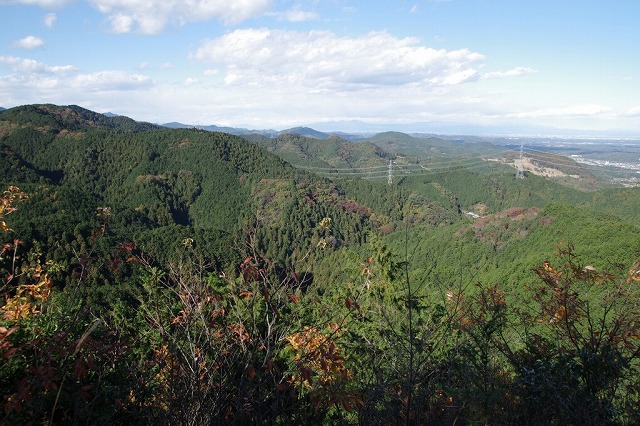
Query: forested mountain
x=268, y=133
x=305, y=131
x=240, y=131
x=332, y=152
x=157, y=181
x=397, y=142
x=53, y=118
x=176, y=275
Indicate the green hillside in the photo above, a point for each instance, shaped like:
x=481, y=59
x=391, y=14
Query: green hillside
x=154, y=178
x=401, y=143
x=331, y=152
x=173, y=276
x=54, y=118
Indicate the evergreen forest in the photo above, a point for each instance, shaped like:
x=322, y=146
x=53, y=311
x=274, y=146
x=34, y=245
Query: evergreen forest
x=154, y=275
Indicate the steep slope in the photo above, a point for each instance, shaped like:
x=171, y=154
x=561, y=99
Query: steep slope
x=164, y=184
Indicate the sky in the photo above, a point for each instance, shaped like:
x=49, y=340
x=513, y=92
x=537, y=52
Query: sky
x=523, y=66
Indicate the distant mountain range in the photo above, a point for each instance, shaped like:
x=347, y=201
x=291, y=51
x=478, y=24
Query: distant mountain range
x=433, y=128
x=354, y=130
x=213, y=128
x=270, y=133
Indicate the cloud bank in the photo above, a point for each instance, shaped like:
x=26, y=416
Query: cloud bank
x=321, y=60
x=30, y=81
x=27, y=66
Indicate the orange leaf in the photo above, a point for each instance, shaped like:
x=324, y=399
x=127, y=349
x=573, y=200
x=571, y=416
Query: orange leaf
x=246, y=295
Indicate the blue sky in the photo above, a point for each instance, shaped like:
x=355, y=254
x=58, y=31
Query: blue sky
x=570, y=64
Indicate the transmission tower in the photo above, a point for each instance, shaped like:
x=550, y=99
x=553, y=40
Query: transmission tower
x=390, y=178
x=520, y=174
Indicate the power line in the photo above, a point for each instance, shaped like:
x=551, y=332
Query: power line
x=346, y=168
x=419, y=172
x=393, y=170
x=441, y=165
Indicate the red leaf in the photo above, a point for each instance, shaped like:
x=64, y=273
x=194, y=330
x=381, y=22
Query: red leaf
x=251, y=372
x=79, y=370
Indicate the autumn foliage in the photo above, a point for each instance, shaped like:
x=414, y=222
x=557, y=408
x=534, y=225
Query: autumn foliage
x=184, y=342
x=571, y=356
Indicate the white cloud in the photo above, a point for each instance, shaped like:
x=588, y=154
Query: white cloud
x=121, y=23
x=514, y=72
x=296, y=15
x=190, y=81
x=29, y=42
x=321, y=60
x=50, y=19
x=151, y=16
x=31, y=66
x=459, y=77
x=33, y=76
x=110, y=81
x=26, y=81
x=231, y=78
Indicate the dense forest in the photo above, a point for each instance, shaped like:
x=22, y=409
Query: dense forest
x=182, y=276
